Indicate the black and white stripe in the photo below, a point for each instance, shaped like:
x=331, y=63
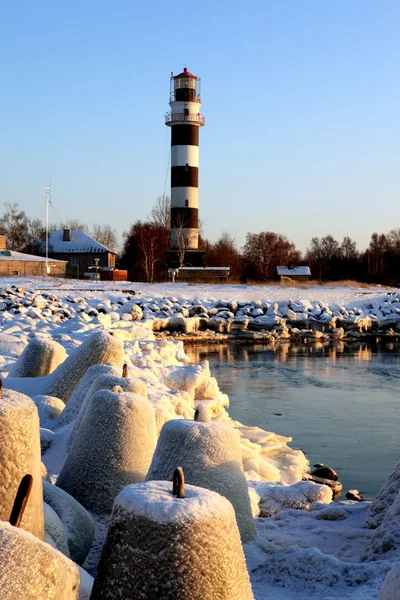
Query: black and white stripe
x=185, y=121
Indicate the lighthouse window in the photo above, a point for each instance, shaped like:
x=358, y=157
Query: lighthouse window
x=186, y=202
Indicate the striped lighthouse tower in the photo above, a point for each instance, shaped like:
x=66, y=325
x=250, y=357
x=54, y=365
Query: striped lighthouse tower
x=185, y=121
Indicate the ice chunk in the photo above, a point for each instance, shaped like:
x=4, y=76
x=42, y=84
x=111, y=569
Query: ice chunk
x=157, y=542
x=272, y=498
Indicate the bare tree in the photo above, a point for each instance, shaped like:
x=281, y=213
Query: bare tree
x=322, y=252
x=181, y=238
x=266, y=250
x=72, y=224
x=161, y=212
x=15, y=225
x=106, y=235
x=143, y=248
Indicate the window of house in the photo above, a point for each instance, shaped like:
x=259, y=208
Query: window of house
x=186, y=202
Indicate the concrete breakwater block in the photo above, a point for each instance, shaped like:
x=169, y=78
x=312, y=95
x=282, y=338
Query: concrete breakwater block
x=113, y=447
x=210, y=456
x=162, y=546
x=99, y=348
x=33, y=570
x=106, y=382
x=77, y=523
x=41, y=357
x=20, y=455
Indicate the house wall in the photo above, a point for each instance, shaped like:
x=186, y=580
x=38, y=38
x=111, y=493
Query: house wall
x=79, y=263
x=30, y=267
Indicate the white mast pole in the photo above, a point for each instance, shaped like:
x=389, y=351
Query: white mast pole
x=47, y=190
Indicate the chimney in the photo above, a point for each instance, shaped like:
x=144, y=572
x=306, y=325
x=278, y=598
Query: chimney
x=3, y=242
x=66, y=235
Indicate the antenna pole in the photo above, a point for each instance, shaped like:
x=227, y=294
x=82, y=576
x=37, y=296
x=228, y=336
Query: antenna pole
x=47, y=190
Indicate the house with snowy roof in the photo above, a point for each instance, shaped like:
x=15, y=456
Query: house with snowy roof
x=80, y=250
x=18, y=263
x=302, y=273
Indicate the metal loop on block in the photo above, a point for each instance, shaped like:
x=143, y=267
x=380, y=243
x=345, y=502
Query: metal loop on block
x=21, y=499
x=178, y=483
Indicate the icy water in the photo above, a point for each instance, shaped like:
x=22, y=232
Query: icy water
x=340, y=404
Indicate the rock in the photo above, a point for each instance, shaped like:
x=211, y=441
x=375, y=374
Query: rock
x=198, y=309
x=335, y=486
x=319, y=465
x=354, y=495
x=325, y=473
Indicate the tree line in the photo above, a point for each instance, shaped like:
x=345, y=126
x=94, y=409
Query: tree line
x=27, y=235
x=146, y=243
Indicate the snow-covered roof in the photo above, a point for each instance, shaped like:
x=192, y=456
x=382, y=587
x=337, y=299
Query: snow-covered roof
x=80, y=242
x=287, y=271
x=11, y=255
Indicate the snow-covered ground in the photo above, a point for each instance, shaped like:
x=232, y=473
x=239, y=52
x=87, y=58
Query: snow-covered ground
x=306, y=546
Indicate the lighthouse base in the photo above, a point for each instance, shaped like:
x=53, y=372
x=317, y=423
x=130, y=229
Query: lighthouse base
x=193, y=258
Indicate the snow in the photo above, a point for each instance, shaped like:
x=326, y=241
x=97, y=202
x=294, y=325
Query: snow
x=32, y=569
x=289, y=271
x=80, y=242
x=157, y=543
x=20, y=454
x=210, y=456
x=308, y=547
x=113, y=447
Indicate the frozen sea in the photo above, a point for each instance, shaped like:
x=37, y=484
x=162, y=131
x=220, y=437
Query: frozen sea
x=340, y=403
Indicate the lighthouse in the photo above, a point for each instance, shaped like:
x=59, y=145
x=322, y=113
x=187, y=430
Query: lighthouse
x=185, y=121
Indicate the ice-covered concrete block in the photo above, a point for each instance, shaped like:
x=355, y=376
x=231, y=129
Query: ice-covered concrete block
x=107, y=382
x=161, y=546
x=41, y=357
x=113, y=447
x=75, y=402
x=210, y=456
x=99, y=348
x=19, y=455
x=33, y=570
x=391, y=586
x=76, y=521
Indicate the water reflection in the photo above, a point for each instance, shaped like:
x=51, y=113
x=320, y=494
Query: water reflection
x=338, y=401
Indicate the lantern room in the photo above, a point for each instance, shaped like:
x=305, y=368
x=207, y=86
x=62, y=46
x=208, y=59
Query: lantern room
x=185, y=87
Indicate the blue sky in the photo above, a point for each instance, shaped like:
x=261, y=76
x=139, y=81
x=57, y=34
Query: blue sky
x=301, y=99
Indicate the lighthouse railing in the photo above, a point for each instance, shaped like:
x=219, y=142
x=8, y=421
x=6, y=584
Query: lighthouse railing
x=185, y=117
